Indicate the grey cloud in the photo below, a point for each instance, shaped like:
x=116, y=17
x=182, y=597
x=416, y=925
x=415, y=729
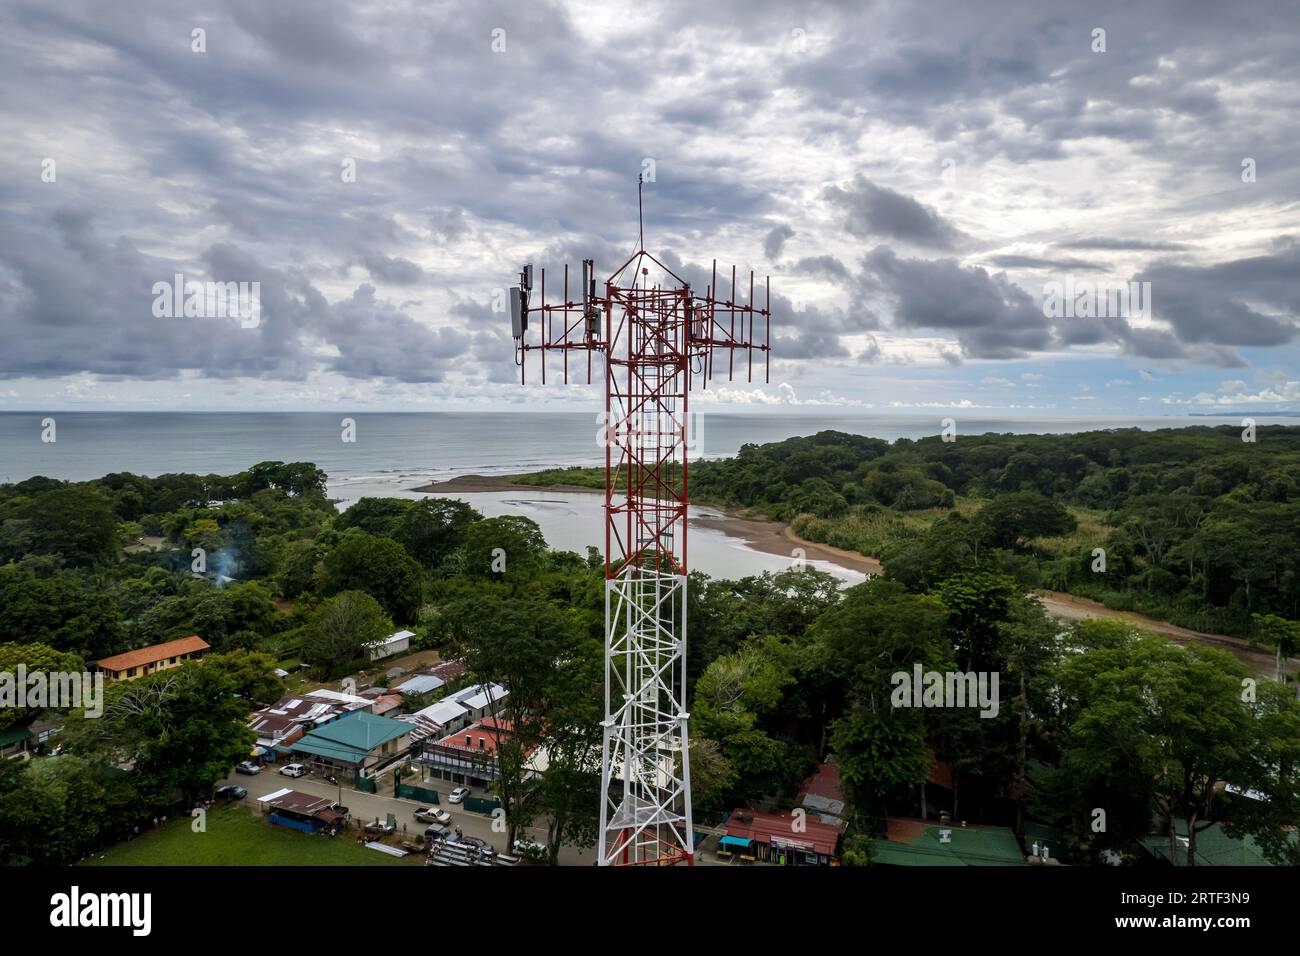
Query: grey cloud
x=775, y=240
x=1035, y=262
x=825, y=267
x=394, y=270
x=1247, y=302
x=231, y=160
x=992, y=317
x=1109, y=244
x=877, y=211
x=74, y=301
x=872, y=352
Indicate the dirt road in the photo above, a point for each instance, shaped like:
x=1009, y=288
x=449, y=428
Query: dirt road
x=1068, y=607
x=774, y=537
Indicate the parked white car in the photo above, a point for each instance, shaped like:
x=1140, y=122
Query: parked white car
x=529, y=848
x=458, y=795
x=293, y=770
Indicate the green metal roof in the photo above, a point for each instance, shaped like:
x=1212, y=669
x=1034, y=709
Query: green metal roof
x=351, y=738
x=982, y=846
x=1213, y=848
x=12, y=735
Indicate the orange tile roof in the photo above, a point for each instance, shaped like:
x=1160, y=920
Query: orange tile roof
x=158, y=652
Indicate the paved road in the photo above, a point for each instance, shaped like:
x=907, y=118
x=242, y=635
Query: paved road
x=368, y=806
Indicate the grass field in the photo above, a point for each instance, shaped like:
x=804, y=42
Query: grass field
x=236, y=837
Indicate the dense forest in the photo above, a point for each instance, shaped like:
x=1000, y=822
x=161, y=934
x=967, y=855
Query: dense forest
x=1197, y=526
x=785, y=669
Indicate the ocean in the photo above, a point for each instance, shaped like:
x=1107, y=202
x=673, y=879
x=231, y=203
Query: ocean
x=395, y=452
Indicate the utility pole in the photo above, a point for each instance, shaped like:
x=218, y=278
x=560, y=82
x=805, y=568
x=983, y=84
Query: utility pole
x=656, y=336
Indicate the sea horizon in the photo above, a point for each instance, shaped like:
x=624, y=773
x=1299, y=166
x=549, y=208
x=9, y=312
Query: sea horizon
x=405, y=449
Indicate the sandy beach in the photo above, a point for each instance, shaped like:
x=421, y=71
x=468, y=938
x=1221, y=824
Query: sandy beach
x=469, y=484
x=774, y=537
x=760, y=534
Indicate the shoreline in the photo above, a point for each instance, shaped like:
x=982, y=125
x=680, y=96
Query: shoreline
x=775, y=537
x=758, y=533
x=470, y=484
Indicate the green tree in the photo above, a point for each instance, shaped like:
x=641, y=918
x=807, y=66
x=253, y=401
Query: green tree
x=431, y=529
x=1154, y=725
x=859, y=850
x=978, y=604
x=1011, y=520
x=511, y=540
x=75, y=522
x=1279, y=635
x=51, y=811
x=251, y=674
x=180, y=730
x=36, y=658
x=380, y=567
x=547, y=657
x=297, y=567
x=378, y=516
x=341, y=631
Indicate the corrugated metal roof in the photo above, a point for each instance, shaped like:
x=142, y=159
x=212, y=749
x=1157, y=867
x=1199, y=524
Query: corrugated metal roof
x=352, y=737
x=917, y=843
x=420, y=684
x=779, y=829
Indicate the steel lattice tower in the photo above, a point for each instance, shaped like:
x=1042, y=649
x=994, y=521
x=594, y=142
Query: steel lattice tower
x=655, y=336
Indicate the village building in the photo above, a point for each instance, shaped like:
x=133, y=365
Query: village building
x=392, y=645
x=151, y=660
x=436, y=721
x=450, y=671
x=481, y=700
x=385, y=704
x=288, y=719
x=783, y=838
x=1214, y=847
x=422, y=687
x=469, y=756
x=300, y=811
x=823, y=794
x=910, y=842
x=358, y=743
x=14, y=741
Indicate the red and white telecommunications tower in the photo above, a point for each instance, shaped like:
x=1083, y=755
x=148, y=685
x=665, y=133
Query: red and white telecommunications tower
x=656, y=336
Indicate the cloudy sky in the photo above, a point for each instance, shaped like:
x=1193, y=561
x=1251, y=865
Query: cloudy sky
x=918, y=179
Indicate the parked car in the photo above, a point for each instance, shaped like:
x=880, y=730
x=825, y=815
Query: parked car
x=433, y=815
x=293, y=770
x=380, y=826
x=526, y=846
x=230, y=792
x=439, y=830
x=249, y=767
x=475, y=843
x=458, y=795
